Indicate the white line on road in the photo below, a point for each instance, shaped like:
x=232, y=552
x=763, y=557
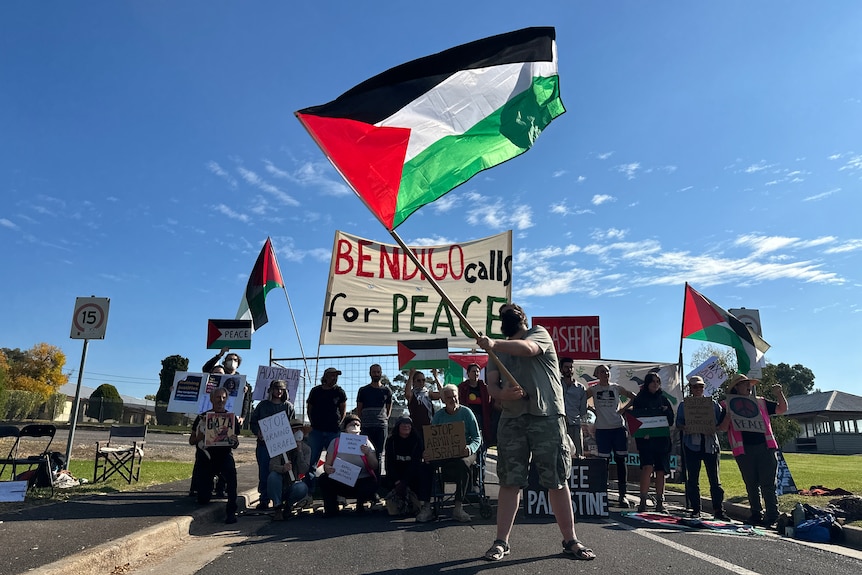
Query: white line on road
x=688, y=550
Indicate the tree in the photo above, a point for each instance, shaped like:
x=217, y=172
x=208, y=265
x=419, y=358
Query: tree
x=105, y=403
x=785, y=429
x=170, y=366
x=38, y=370
x=794, y=380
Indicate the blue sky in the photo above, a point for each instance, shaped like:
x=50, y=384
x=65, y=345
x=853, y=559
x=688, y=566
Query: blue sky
x=147, y=149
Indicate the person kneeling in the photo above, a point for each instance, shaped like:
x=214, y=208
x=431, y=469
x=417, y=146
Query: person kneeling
x=405, y=469
x=284, y=485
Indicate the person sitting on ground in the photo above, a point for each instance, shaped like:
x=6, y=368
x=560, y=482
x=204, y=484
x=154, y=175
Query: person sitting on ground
x=654, y=449
x=284, y=484
x=460, y=469
x=405, y=468
x=275, y=403
x=366, y=484
x=755, y=452
x=419, y=399
x=217, y=459
x=701, y=447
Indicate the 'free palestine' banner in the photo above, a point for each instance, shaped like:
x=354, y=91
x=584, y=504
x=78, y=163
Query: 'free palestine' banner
x=377, y=296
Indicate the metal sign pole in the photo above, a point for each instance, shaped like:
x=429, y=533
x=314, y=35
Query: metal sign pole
x=76, y=406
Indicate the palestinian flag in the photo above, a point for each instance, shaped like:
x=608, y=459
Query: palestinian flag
x=423, y=353
x=264, y=276
x=408, y=136
x=702, y=319
x=652, y=426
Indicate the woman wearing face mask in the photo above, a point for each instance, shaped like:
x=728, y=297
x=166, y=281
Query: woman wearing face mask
x=284, y=485
x=276, y=403
x=366, y=484
x=231, y=362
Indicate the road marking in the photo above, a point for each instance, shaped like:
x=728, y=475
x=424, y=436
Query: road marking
x=688, y=550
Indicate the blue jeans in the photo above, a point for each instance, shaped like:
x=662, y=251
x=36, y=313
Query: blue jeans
x=277, y=488
x=262, y=455
x=317, y=442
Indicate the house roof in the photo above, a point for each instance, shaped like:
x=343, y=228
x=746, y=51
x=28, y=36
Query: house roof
x=69, y=390
x=824, y=401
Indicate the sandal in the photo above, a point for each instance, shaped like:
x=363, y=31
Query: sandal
x=498, y=550
x=578, y=550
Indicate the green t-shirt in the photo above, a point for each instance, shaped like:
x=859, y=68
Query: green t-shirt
x=538, y=375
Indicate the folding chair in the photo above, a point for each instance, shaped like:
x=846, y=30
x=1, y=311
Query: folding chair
x=31, y=452
x=117, y=456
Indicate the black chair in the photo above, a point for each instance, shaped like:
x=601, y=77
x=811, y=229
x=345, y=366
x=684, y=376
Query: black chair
x=29, y=455
x=123, y=453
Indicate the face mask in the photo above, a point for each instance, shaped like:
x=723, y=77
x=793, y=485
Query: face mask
x=298, y=435
x=230, y=365
x=511, y=323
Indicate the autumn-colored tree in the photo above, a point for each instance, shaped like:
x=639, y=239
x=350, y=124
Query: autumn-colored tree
x=38, y=370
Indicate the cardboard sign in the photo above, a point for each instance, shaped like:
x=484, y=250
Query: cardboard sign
x=699, y=416
x=445, y=440
x=588, y=484
x=266, y=374
x=345, y=472
x=277, y=434
x=745, y=414
x=219, y=431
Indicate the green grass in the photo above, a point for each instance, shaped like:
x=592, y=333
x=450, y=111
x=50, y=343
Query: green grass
x=807, y=469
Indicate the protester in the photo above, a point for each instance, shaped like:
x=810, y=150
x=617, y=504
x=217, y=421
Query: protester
x=276, y=402
x=215, y=460
x=219, y=483
x=230, y=364
x=405, y=469
x=326, y=405
x=366, y=484
x=654, y=447
x=458, y=469
x=755, y=452
x=419, y=399
x=701, y=448
x=610, y=427
x=284, y=484
x=575, y=398
x=373, y=406
x=532, y=427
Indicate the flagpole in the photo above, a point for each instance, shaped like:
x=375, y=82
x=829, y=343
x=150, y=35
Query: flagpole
x=681, y=332
x=439, y=289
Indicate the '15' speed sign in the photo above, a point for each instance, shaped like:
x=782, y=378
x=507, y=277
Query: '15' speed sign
x=90, y=318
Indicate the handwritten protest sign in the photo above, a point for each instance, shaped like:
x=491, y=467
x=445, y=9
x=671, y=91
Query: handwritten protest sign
x=745, y=414
x=220, y=431
x=712, y=373
x=266, y=374
x=699, y=416
x=352, y=443
x=277, y=434
x=588, y=484
x=445, y=440
x=345, y=472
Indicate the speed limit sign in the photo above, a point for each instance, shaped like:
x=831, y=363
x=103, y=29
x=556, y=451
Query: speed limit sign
x=90, y=318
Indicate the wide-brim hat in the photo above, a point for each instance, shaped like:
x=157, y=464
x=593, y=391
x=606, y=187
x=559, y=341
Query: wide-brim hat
x=737, y=379
x=295, y=422
x=696, y=380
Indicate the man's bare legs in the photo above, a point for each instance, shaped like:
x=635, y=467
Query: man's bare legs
x=507, y=507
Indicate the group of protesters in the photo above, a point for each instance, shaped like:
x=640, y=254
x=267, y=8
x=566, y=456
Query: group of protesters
x=530, y=407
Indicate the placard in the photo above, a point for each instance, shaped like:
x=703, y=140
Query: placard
x=699, y=415
x=784, y=481
x=277, y=434
x=712, y=373
x=352, y=443
x=190, y=392
x=445, y=441
x=12, y=490
x=220, y=430
x=235, y=385
x=266, y=374
x=588, y=484
x=345, y=472
x=745, y=414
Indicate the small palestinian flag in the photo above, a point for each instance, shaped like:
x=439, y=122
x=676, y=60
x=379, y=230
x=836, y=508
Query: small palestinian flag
x=702, y=319
x=264, y=277
x=652, y=426
x=408, y=136
x=423, y=354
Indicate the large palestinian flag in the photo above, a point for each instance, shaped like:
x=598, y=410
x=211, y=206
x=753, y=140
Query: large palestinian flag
x=408, y=136
x=264, y=277
x=702, y=319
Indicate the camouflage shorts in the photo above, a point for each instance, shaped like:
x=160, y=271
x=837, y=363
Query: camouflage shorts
x=542, y=437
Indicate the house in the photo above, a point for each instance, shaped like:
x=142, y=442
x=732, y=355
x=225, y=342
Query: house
x=135, y=410
x=831, y=422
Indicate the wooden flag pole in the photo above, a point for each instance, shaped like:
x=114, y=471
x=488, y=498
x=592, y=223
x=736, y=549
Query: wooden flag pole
x=439, y=289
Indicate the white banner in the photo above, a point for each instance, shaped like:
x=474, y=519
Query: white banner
x=376, y=295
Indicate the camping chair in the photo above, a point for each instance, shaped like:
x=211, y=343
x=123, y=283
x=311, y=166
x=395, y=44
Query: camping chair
x=117, y=456
x=30, y=451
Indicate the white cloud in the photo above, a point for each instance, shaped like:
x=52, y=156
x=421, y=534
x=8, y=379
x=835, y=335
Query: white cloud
x=224, y=210
x=216, y=169
x=7, y=224
x=848, y=246
x=821, y=195
x=582, y=179
x=609, y=234
x=629, y=169
x=446, y=203
x=255, y=180
x=600, y=199
x=430, y=241
x=559, y=173
x=758, y=167
x=854, y=163
x=321, y=175
x=605, y=155
x=493, y=213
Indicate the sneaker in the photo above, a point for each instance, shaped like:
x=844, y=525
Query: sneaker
x=306, y=501
x=262, y=504
x=694, y=515
x=720, y=515
x=624, y=503
x=461, y=515
x=425, y=514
